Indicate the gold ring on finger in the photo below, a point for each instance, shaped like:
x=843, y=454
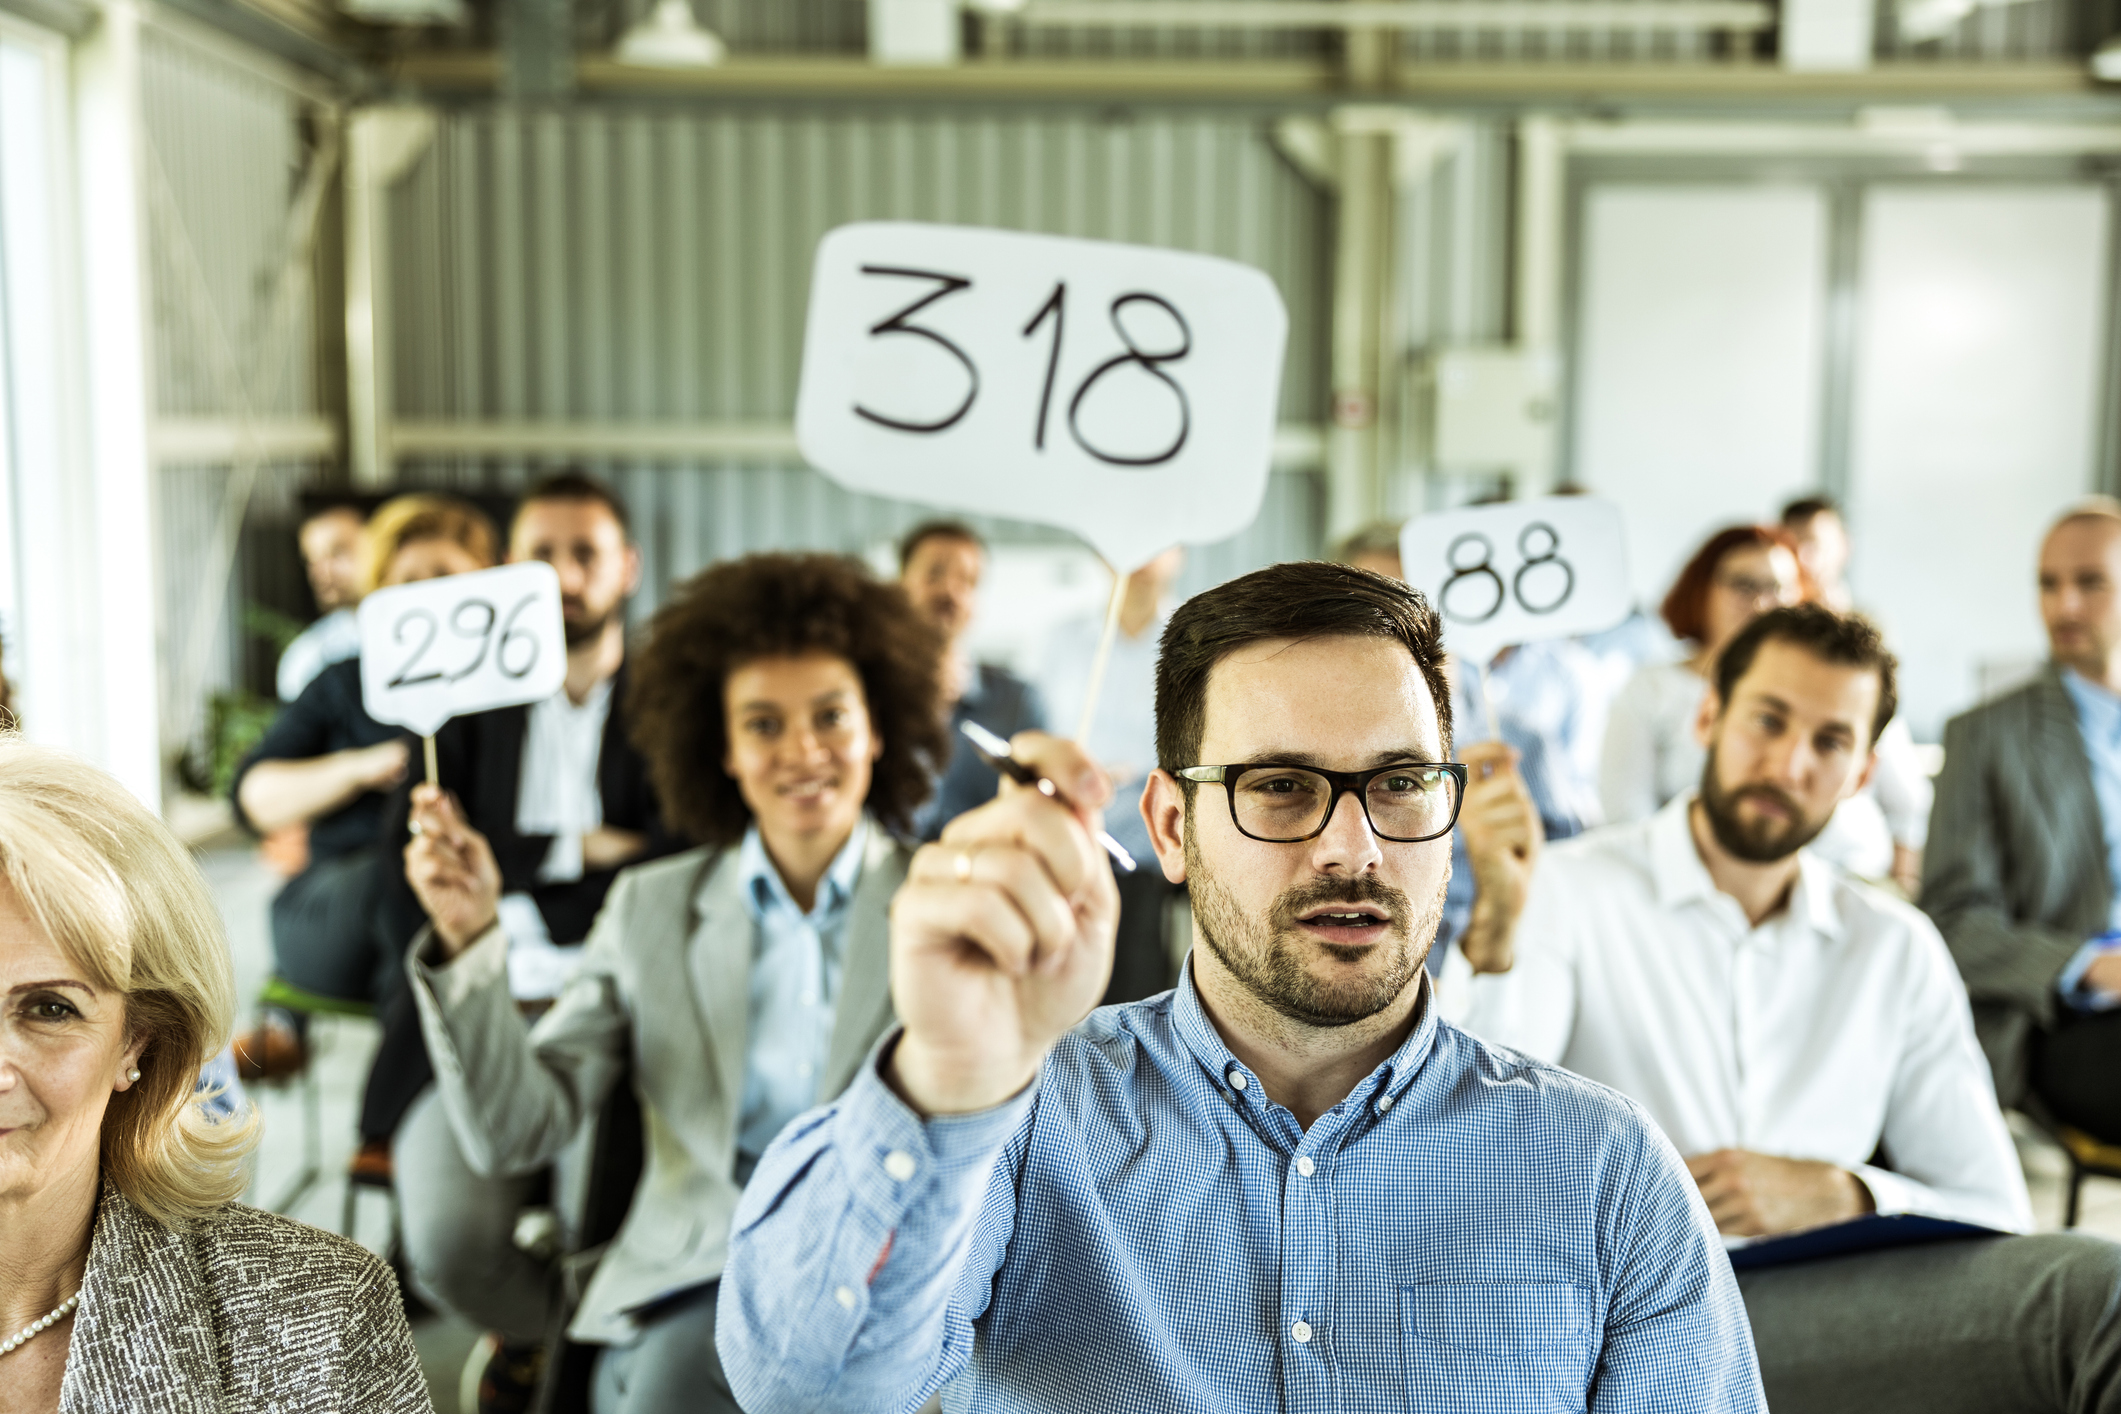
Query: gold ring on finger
x=964, y=867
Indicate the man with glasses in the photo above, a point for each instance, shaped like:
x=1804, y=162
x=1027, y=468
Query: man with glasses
x=1285, y=1183
x=1805, y=1041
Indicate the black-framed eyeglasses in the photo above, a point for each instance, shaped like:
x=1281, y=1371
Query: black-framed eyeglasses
x=1275, y=803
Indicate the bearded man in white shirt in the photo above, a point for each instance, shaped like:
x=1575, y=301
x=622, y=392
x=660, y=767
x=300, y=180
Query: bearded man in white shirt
x=1806, y=1042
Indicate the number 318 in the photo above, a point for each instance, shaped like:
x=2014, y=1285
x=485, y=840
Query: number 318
x=1055, y=308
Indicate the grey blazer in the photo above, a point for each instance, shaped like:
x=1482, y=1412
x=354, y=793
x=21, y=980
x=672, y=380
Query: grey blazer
x=665, y=982
x=2015, y=874
x=246, y=1311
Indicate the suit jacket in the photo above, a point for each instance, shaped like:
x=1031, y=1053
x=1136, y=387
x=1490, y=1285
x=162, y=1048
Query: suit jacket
x=665, y=985
x=243, y=1311
x=480, y=758
x=1004, y=704
x=2015, y=874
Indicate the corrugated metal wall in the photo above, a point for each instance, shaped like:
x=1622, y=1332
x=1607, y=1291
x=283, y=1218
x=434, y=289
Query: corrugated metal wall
x=596, y=264
x=226, y=147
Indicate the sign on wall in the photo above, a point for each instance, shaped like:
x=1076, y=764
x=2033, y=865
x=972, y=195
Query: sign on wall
x=442, y=648
x=1126, y=393
x=1519, y=572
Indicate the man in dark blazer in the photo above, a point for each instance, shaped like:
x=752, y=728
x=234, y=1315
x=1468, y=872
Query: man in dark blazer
x=2025, y=838
x=941, y=563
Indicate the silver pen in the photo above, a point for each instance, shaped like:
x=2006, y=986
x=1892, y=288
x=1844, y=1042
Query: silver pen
x=995, y=752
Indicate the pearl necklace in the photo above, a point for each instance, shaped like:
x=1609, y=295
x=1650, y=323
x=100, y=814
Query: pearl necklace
x=40, y=1326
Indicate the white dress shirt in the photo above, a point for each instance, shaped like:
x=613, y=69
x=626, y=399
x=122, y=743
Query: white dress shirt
x=331, y=639
x=558, y=794
x=1837, y=1026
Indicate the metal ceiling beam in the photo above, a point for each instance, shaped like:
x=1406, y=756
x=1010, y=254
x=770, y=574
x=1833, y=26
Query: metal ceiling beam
x=1148, y=81
x=1400, y=15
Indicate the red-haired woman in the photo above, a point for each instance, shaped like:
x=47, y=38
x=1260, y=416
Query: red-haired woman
x=1650, y=753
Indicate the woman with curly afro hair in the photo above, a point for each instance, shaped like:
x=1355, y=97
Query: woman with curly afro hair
x=789, y=707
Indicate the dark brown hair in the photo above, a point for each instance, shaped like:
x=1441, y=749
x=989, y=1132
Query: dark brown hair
x=1686, y=608
x=1300, y=599
x=1801, y=510
x=936, y=530
x=574, y=484
x=1847, y=640
x=776, y=606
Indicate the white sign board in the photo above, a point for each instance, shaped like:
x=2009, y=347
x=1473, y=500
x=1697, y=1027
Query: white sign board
x=441, y=648
x=1519, y=572
x=1123, y=392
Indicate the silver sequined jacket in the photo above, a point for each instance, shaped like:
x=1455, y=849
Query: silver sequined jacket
x=246, y=1311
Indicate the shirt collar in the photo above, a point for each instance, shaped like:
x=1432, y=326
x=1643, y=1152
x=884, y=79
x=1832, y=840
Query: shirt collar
x=2098, y=710
x=1206, y=1044
x=1681, y=878
x=764, y=890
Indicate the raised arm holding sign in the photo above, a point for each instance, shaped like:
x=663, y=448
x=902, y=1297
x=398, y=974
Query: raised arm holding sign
x=1508, y=580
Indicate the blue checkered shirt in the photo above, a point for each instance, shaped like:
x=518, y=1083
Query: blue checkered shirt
x=1143, y=1230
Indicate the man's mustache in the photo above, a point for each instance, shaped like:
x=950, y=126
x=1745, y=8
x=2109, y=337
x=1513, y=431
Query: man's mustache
x=1776, y=794
x=1361, y=889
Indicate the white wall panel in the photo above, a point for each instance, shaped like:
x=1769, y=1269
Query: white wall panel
x=1976, y=416
x=1698, y=359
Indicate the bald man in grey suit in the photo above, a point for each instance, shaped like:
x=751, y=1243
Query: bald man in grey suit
x=2025, y=844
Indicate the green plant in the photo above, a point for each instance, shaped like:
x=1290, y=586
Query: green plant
x=276, y=628
x=234, y=723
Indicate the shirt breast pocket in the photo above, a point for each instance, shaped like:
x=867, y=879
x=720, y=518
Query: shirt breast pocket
x=1508, y=1346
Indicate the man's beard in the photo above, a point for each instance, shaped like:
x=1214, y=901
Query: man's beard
x=1759, y=841
x=1266, y=956
x=583, y=630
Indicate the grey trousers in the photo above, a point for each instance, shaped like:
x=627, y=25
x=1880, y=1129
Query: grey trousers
x=2006, y=1325
x=671, y=1369
x=459, y=1230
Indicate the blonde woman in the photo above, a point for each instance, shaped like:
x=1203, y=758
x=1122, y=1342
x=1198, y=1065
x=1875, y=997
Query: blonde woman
x=130, y=1280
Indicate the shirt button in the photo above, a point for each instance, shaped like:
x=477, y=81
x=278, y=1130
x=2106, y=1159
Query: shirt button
x=899, y=1164
x=845, y=1296
x=1301, y=1333
x=1237, y=1079
x=1384, y=1102
x=1304, y=1165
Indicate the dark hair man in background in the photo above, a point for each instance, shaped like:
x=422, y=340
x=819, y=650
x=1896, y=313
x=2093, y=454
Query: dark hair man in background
x=2025, y=845
x=1822, y=547
x=1287, y=1181
x=563, y=797
x=1805, y=1041
x=334, y=550
x=940, y=564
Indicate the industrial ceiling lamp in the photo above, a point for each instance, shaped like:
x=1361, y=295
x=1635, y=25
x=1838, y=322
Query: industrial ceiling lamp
x=670, y=37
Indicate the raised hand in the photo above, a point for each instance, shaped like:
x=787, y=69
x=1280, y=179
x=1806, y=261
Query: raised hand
x=1001, y=938
x=1503, y=835
x=451, y=869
